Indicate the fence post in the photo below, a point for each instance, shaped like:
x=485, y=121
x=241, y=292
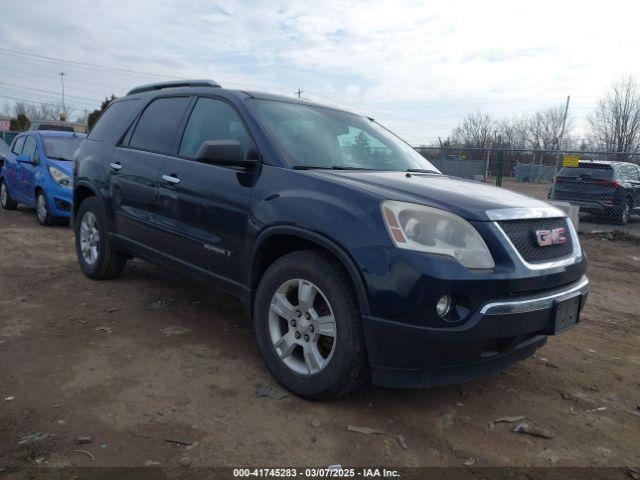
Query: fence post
x=486, y=166
x=499, y=168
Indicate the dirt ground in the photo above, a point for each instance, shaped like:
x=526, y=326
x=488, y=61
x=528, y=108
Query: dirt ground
x=148, y=357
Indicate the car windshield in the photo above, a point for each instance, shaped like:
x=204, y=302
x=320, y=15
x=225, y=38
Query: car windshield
x=4, y=148
x=602, y=172
x=318, y=137
x=61, y=148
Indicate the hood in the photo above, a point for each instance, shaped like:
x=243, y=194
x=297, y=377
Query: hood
x=65, y=165
x=466, y=198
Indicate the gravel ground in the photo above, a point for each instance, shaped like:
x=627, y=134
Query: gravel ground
x=150, y=357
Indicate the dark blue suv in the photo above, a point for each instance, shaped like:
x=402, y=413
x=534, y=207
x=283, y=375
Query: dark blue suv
x=354, y=255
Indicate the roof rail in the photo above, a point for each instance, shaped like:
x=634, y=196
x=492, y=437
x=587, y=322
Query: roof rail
x=173, y=84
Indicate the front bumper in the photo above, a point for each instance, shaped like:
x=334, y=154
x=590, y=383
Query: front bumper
x=498, y=334
x=59, y=201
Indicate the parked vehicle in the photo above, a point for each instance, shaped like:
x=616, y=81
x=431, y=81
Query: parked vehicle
x=354, y=255
x=4, y=151
x=610, y=189
x=47, y=125
x=38, y=173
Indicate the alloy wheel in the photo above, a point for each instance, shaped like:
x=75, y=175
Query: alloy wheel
x=41, y=208
x=302, y=327
x=89, y=238
x=3, y=194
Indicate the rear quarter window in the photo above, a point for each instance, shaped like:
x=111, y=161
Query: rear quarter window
x=114, y=120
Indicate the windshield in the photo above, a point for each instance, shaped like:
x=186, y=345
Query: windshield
x=61, y=148
x=4, y=148
x=317, y=137
x=602, y=172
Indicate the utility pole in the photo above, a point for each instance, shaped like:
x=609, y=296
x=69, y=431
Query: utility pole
x=564, y=123
x=64, y=108
x=298, y=92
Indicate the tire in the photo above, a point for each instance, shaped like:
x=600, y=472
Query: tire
x=343, y=366
x=6, y=201
x=42, y=210
x=99, y=261
x=624, y=213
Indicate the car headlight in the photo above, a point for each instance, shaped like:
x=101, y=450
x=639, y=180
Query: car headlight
x=60, y=177
x=426, y=229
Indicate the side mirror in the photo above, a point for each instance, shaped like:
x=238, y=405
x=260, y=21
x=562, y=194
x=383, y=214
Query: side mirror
x=23, y=159
x=224, y=152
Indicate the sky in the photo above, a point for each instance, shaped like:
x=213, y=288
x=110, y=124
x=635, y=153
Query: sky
x=416, y=67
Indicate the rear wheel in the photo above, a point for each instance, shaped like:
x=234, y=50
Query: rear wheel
x=623, y=215
x=97, y=259
x=42, y=210
x=5, y=199
x=308, y=326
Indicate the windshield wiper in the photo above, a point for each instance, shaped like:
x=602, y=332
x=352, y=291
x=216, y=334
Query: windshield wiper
x=420, y=170
x=60, y=158
x=331, y=167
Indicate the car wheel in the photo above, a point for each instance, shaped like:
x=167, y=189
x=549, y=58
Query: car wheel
x=624, y=213
x=5, y=199
x=95, y=254
x=42, y=210
x=308, y=326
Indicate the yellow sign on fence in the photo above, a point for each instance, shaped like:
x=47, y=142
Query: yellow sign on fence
x=570, y=160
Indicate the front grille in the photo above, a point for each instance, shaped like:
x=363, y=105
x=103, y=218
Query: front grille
x=522, y=234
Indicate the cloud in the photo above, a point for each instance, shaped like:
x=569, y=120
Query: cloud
x=395, y=60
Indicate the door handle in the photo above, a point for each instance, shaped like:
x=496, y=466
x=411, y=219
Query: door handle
x=171, y=179
x=115, y=166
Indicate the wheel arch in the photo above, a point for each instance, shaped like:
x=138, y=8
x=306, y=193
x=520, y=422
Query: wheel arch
x=81, y=192
x=276, y=242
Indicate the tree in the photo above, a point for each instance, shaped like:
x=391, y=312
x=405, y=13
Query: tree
x=545, y=128
x=476, y=130
x=615, y=123
x=514, y=133
x=20, y=123
x=93, y=116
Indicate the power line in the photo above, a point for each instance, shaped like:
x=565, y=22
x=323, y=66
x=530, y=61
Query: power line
x=39, y=90
x=8, y=51
x=28, y=100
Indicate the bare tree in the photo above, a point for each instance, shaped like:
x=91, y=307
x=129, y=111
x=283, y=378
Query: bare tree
x=514, y=132
x=545, y=128
x=615, y=124
x=476, y=130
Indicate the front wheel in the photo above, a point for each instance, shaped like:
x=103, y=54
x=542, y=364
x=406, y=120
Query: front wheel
x=308, y=326
x=5, y=199
x=42, y=210
x=98, y=260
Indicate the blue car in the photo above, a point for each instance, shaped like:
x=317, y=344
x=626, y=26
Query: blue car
x=37, y=172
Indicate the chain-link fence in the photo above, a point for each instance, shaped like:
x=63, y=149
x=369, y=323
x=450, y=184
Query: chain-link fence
x=605, y=185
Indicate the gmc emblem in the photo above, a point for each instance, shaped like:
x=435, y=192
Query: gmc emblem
x=544, y=238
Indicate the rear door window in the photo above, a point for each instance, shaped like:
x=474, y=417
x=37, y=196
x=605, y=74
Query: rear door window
x=17, y=145
x=158, y=124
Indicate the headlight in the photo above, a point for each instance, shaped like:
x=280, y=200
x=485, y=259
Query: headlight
x=60, y=177
x=425, y=229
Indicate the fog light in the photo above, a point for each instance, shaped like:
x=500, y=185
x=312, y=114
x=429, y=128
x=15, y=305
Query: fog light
x=443, y=307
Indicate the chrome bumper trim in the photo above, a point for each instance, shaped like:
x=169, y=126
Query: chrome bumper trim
x=532, y=304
